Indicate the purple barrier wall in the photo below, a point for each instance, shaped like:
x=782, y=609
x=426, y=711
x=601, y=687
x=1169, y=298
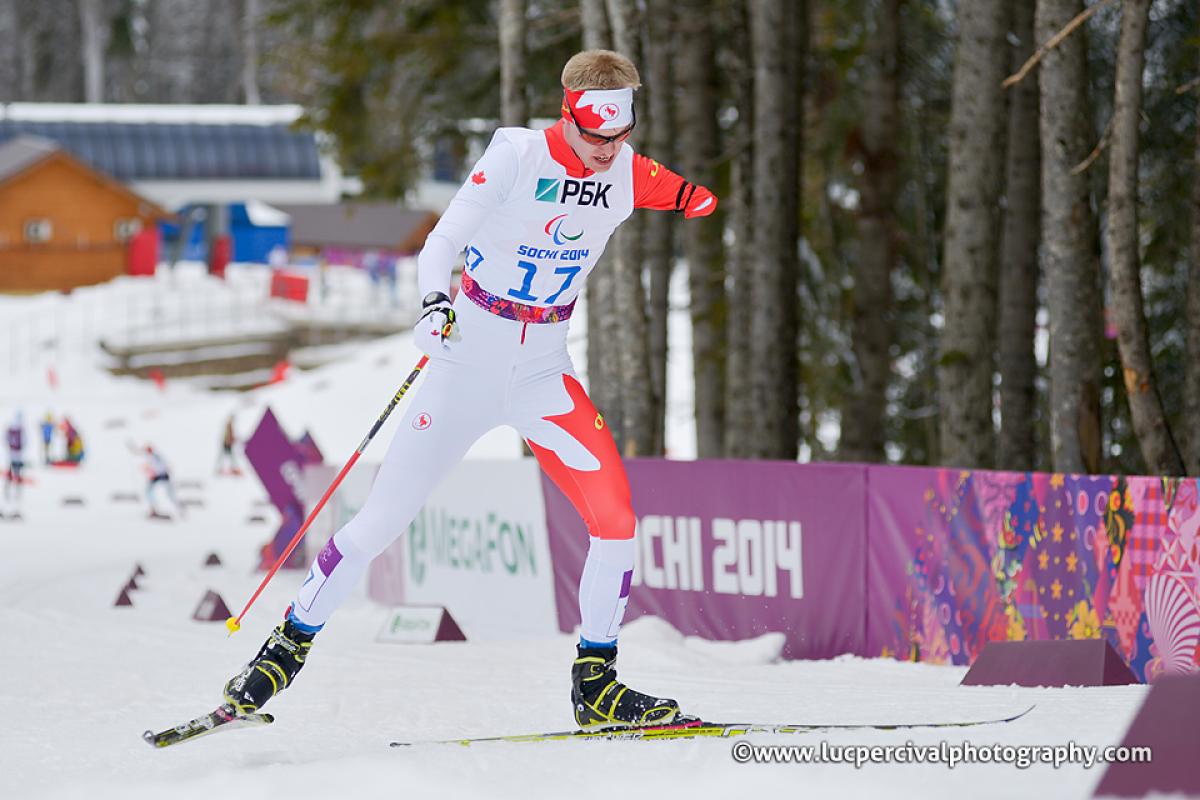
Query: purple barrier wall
x=958, y=558
x=734, y=549
x=917, y=563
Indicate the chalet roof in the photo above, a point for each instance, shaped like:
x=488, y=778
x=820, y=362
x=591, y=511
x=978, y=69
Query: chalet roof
x=378, y=225
x=139, y=143
x=21, y=152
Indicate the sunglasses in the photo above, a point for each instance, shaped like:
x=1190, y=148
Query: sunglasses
x=600, y=139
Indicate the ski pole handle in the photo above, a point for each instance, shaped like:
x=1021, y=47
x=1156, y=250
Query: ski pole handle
x=235, y=623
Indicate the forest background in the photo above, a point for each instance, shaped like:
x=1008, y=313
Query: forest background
x=959, y=233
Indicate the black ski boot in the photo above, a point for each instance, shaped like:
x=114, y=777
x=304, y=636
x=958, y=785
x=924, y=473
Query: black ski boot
x=272, y=670
x=602, y=702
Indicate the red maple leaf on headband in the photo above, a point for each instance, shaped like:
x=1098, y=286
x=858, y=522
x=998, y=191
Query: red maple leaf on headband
x=479, y=178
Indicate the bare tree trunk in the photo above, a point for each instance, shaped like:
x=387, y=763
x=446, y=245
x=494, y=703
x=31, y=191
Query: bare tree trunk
x=637, y=391
x=771, y=367
x=740, y=418
x=629, y=294
x=1069, y=245
x=94, y=32
x=1019, y=256
x=603, y=323
x=699, y=149
x=514, y=110
x=596, y=33
x=863, y=410
x=659, y=239
x=251, y=19
x=925, y=265
x=1192, y=393
x=603, y=346
x=27, y=53
x=623, y=17
x=966, y=359
x=796, y=51
x=1133, y=340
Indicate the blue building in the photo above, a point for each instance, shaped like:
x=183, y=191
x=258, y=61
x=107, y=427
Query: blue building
x=255, y=229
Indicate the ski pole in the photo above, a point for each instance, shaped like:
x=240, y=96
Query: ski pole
x=235, y=623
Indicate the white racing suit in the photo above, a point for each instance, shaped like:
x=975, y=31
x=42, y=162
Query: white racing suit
x=532, y=222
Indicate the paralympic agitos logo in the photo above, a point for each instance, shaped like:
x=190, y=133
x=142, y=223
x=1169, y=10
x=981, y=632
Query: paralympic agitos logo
x=585, y=193
x=554, y=231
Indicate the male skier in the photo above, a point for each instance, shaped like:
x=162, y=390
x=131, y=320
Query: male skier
x=157, y=472
x=532, y=218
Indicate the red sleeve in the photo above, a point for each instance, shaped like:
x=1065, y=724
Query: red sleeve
x=656, y=187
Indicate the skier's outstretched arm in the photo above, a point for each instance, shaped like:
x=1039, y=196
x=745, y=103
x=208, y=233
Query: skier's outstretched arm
x=656, y=187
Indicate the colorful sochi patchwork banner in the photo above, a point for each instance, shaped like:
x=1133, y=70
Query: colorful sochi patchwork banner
x=959, y=558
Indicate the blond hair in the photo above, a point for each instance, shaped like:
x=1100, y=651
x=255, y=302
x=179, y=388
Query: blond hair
x=600, y=69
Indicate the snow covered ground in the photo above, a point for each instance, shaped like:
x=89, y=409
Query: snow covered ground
x=80, y=680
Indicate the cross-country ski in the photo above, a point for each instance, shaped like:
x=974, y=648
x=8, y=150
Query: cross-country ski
x=691, y=728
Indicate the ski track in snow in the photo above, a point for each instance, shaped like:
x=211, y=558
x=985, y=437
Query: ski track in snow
x=80, y=680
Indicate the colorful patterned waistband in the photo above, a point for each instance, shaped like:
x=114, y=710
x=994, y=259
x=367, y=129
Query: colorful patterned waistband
x=510, y=309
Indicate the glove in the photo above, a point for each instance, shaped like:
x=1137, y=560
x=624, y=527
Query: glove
x=437, y=325
x=696, y=201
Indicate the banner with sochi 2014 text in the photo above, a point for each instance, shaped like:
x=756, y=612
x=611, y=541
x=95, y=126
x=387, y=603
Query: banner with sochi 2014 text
x=735, y=549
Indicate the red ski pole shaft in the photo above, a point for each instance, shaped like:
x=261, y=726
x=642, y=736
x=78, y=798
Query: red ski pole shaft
x=234, y=623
